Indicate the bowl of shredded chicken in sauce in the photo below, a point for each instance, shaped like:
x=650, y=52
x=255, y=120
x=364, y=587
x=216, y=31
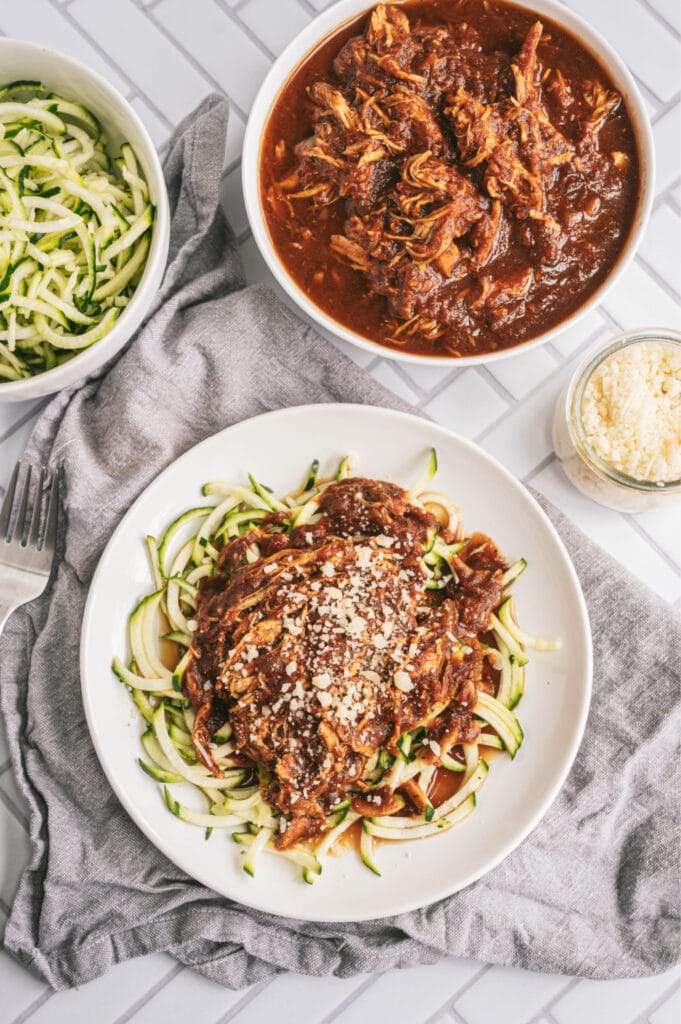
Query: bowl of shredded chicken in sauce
x=447, y=180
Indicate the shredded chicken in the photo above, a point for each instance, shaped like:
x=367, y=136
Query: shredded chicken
x=327, y=648
x=445, y=157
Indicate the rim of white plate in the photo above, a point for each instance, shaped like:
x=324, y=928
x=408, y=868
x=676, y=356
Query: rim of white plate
x=253, y=896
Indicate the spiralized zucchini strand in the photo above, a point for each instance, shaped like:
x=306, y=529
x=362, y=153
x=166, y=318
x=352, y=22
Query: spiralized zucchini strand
x=164, y=621
x=75, y=230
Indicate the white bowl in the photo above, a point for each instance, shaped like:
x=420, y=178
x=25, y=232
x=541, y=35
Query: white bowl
x=329, y=21
x=69, y=78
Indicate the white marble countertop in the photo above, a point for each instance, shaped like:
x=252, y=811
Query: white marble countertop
x=164, y=56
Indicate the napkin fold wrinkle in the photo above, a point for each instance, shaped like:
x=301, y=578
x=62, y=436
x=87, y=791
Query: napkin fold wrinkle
x=594, y=891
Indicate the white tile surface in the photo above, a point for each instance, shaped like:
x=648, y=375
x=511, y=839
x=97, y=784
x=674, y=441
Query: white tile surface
x=522, y=439
x=13, y=798
x=219, y=45
x=667, y=149
x=664, y=526
x=468, y=405
x=20, y=990
x=11, y=414
x=613, y=532
x=12, y=448
x=412, y=994
x=522, y=995
x=523, y=373
x=661, y=245
x=670, y=1010
x=41, y=22
x=158, y=129
x=428, y=377
x=14, y=852
x=137, y=46
x=389, y=376
x=4, y=749
x=280, y=1001
x=275, y=24
x=610, y=1002
x=105, y=999
x=670, y=10
x=575, y=338
x=233, y=201
x=656, y=62
x=637, y=300
x=167, y=55
x=181, y=997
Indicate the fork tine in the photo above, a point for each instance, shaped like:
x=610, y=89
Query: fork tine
x=50, y=539
x=22, y=514
x=34, y=534
x=6, y=510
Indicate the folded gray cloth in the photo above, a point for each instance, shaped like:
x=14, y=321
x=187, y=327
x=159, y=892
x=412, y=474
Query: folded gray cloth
x=595, y=889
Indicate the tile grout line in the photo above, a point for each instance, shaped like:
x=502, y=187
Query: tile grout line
x=548, y=1006
x=645, y=1016
x=660, y=281
x=233, y=15
x=28, y=1011
x=456, y=1016
x=496, y=384
x=68, y=16
x=667, y=197
x=248, y=998
x=647, y=6
x=189, y=57
x=349, y=1000
x=18, y=814
x=484, y=969
x=642, y=532
x=176, y=969
x=307, y=6
x=539, y=468
x=419, y=391
x=664, y=108
x=439, y=388
x=18, y=424
x=647, y=93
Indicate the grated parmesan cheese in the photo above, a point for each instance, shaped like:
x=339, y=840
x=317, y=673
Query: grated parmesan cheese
x=403, y=682
x=631, y=411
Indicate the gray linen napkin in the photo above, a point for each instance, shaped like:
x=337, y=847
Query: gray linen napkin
x=595, y=889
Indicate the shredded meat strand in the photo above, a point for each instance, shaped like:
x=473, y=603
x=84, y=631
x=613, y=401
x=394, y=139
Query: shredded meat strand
x=327, y=648
x=439, y=152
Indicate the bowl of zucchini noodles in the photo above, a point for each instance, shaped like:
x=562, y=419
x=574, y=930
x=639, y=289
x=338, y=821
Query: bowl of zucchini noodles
x=84, y=221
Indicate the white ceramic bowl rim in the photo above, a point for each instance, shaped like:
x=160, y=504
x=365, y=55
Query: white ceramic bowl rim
x=330, y=21
x=95, y=355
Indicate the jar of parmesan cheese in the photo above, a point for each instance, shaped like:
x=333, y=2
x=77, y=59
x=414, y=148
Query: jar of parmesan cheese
x=617, y=426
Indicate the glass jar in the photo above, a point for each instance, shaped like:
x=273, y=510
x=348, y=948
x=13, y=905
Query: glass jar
x=587, y=471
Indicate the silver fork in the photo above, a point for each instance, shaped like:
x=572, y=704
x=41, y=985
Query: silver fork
x=27, y=551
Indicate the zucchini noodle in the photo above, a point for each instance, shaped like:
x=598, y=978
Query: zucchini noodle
x=75, y=230
x=394, y=796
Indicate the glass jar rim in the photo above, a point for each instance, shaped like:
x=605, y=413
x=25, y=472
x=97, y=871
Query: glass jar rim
x=575, y=395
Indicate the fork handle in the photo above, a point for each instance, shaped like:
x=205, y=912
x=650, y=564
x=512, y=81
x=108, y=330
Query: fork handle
x=5, y=612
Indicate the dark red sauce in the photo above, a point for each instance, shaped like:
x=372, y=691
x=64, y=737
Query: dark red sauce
x=531, y=149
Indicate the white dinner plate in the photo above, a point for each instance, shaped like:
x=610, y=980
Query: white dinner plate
x=278, y=447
